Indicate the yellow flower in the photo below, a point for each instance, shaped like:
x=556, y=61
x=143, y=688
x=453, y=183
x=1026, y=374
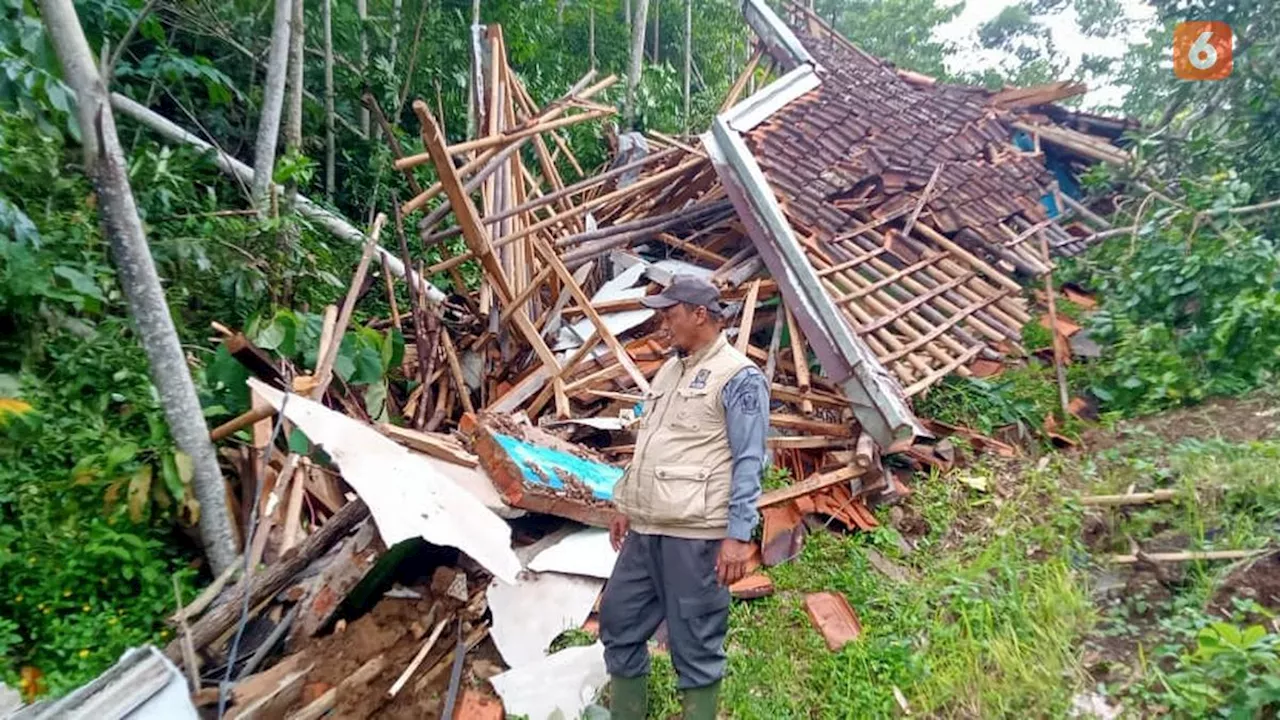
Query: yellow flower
x=19, y=598
x=66, y=593
x=164, y=633
x=111, y=621
x=85, y=608
x=84, y=653
x=46, y=611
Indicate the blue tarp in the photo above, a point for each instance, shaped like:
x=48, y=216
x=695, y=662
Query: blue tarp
x=597, y=476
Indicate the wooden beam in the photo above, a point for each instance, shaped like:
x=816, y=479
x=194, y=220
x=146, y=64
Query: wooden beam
x=602, y=330
x=811, y=484
x=474, y=233
x=267, y=583
x=748, y=317
x=1144, y=498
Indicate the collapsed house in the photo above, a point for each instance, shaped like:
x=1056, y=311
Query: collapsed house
x=873, y=228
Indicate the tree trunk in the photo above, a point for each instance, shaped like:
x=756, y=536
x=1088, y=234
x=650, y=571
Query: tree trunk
x=264, y=153
x=396, y=8
x=638, y=24
x=106, y=165
x=657, y=31
x=326, y=16
x=688, y=58
x=475, y=70
x=334, y=223
x=362, y=10
x=591, y=35
x=293, y=120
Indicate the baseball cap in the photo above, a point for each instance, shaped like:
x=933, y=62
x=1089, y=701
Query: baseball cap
x=686, y=289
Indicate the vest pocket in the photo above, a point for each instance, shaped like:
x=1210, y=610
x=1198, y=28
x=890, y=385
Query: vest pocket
x=679, y=493
x=692, y=409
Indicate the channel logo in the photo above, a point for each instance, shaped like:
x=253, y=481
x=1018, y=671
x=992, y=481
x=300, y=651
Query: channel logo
x=1202, y=50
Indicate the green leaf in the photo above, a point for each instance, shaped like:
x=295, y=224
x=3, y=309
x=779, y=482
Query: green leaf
x=368, y=366
x=171, y=477
x=344, y=366
x=375, y=402
x=118, y=455
x=139, y=493
x=80, y=282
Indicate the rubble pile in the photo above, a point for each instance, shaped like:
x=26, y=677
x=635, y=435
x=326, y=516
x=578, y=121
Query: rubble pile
x=871, y=229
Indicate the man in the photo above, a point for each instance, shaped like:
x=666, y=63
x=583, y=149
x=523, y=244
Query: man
x=687, y=507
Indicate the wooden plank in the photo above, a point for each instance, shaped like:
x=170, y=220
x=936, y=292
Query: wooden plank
x=802, y=442
x=363, y=676
x=812, y=427
x=748, y=317
x=1144, y=498
x=438, y=446
x=324, y=366
x=265, y=584
x=602, y=330
x=358, y=555
x=1186, y=556
x=473, y=232
x=811, y=484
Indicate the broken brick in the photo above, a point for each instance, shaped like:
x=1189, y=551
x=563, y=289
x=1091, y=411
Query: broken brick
x=832, y=615
x=475, y=705
x=783, y=533
x=751, y=587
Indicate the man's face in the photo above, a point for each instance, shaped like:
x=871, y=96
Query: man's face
x=686, y=325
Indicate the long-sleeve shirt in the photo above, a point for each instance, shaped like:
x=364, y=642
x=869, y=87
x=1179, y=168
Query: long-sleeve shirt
x=746, y=411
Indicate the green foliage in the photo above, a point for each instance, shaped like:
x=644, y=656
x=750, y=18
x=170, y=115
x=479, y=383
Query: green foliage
x=901, y=31
x=1020, y=397
x=92, y=494
x=1233, y=672
x=1191, y=305
x=1195, y=664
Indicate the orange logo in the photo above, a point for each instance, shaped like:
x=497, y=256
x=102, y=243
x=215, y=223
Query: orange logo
x=1202, y=50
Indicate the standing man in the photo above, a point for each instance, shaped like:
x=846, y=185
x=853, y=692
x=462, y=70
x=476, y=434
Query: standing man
x=687, y=507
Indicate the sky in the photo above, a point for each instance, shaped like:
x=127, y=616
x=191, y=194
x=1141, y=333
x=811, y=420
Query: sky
x=1066, y=36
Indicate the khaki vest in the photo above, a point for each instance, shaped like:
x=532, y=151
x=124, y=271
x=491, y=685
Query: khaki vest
x=679, y=479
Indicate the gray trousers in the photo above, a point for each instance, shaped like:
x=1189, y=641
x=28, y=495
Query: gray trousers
x=659, y=577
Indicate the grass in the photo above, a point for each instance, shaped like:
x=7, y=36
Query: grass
x=1007, y=613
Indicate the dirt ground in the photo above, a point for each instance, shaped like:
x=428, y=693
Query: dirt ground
x=389, y=629
x=1255, y=417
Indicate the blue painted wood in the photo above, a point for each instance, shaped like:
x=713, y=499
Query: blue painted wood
x=600, y=478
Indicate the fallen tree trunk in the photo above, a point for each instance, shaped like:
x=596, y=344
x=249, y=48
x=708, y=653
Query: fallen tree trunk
x=272, y=580
x=106, y=166
x=330, y=221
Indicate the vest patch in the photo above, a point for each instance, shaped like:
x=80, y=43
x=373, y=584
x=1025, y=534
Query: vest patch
x=700, y=380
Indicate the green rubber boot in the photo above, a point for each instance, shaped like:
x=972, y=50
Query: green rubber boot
x=700, y=703
x=629, y=698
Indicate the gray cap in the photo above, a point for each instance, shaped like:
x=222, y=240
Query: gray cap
x=686, y=289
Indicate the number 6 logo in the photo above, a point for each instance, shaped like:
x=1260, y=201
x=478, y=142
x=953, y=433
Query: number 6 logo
x=1202, y=50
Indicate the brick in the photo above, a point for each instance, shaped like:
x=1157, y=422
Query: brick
x=783, y=533
x=475, y=705
x=752, y=586
x=832, y=615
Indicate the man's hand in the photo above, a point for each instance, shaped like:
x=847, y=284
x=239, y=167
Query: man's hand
x=618, y=527
x=731, y=564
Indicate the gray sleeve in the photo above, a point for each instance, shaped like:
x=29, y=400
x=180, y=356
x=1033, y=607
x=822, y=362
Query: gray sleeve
x=746, y=410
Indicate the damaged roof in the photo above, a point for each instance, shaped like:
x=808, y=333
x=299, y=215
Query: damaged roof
x=916, y=203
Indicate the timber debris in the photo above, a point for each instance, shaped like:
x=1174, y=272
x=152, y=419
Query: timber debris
x=873, y=230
